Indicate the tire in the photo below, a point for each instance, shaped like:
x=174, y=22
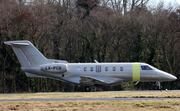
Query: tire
x=87, y=89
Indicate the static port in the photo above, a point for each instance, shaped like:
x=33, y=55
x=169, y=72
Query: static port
x=62, y=75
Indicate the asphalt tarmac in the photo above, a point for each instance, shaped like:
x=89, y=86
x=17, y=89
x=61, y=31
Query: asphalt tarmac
x=85, y=99
x=93, y=92
x=88, y=99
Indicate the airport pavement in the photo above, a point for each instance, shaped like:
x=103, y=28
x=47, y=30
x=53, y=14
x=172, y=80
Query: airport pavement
x=93, y=92
x=87, y=99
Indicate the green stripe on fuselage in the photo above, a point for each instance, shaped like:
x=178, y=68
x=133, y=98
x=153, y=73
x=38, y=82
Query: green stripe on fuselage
x=136, y=72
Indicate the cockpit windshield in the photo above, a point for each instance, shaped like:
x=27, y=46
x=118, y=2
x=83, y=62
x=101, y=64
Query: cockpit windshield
x=146, y=68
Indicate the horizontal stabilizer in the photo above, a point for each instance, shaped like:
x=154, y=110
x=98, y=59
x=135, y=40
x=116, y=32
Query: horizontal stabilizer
x=16, y=43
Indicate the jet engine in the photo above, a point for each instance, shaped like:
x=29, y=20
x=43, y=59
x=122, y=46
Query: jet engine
x=55, y=68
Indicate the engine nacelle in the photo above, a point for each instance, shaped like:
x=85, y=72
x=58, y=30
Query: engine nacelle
x=55, y=68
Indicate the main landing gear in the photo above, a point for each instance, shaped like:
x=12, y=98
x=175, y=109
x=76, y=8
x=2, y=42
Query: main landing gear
x=89, y=88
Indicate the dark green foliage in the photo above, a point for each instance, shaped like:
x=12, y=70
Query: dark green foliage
x=88, y=5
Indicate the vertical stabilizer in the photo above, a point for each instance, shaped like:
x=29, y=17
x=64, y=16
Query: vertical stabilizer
x=27, y=53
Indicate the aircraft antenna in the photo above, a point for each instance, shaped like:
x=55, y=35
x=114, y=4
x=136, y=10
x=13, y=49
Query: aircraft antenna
x=96, y=61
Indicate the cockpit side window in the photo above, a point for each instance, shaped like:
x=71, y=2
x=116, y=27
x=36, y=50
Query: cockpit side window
x=145, y=68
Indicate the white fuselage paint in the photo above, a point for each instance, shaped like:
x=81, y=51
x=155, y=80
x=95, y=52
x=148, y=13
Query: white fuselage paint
x=77, y=70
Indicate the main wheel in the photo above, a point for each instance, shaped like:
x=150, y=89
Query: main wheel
x=87, y=89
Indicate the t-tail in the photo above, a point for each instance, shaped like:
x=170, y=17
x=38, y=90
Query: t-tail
x=27, y=53
x=29, y=56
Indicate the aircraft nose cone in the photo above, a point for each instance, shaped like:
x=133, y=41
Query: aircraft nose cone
x=168, y=77
x=173, y=78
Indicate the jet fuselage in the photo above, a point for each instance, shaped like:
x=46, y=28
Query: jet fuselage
x=115, y=72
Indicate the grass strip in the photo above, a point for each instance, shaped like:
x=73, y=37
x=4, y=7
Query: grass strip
x=174, y=94
x=150, y=105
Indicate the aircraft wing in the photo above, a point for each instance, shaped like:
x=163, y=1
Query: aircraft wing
x=34, y=75
x=89, y=80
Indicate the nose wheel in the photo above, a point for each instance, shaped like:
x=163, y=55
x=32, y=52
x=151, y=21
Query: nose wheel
x=159, y=85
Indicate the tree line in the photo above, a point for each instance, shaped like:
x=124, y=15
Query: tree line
x=88, y=30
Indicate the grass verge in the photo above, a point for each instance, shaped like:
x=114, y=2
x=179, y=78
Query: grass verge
x=150, y=105
x=95, y=95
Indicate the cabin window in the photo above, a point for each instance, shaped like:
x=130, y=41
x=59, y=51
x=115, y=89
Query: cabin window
x=121, y=68
x=106, y=68
x=85, y=68
x=98, y=68
x=114, y=68
x=145, y=68
x=91, y=69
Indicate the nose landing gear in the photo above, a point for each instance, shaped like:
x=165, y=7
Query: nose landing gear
x=159, y=85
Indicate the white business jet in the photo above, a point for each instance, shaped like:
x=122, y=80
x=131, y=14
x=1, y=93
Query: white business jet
x=34, y=64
